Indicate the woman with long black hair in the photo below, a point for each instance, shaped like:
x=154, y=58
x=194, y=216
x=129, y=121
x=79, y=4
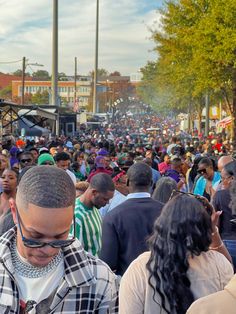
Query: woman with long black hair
x=185, y=262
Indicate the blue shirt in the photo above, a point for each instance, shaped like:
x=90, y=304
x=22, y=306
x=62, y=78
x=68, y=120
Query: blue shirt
x=117, y=199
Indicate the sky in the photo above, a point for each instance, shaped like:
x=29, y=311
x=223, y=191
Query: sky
x=124, y=36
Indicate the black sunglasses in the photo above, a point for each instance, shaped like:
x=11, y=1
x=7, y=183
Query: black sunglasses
x=31, y=243
x=209, y=208
x=26, y=160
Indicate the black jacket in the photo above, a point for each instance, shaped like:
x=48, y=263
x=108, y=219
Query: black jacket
x=221, y=201
x=125, y=231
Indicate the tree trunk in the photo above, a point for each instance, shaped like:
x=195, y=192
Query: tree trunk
x=199, y=114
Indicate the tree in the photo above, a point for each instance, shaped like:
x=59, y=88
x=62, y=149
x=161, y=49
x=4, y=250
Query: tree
x=196, y=49
x=115, y=73
x=19, y=73
x=6, y=92
x=40, y=98
x=62, y=76
x=100, y=73
x=41, y=75
x=215, y=58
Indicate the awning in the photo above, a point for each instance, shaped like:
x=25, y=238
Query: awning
x=44, y=113
x=31, y=129
x=224, y=122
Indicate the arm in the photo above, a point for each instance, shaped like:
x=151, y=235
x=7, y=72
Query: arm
x=110, y=243
x=217, y=244
x=132, y=291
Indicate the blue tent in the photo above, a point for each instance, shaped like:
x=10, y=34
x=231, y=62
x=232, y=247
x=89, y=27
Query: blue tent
x=31, y=129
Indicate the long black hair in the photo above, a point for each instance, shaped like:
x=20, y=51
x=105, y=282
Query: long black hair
x=193, y=172
x=164, y=188
x=182, y=230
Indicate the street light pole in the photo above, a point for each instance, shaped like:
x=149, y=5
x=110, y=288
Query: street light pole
x=24, y=65
x=75, y=86
x=55, y=101
x=23, y=82
x=95, y=109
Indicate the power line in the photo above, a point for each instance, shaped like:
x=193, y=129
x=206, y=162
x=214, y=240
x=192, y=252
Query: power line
x=11, y=62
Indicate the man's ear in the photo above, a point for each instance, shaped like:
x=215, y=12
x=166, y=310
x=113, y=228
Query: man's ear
x=12, y=203
x=93, y=192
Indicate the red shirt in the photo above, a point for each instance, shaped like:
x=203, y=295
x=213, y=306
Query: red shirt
x=98, y=170
x=163, y=167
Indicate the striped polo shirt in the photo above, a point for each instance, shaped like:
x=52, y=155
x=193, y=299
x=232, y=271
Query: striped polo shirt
x=88, y=227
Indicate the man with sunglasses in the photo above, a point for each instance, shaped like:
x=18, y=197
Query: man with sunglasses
x=26, y=159
x=43, y=269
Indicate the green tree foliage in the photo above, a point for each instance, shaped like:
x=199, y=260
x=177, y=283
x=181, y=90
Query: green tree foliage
x=40, y=98
x=101, y=73
x=115, y=73
x=41, y=75
x=62, y=76
x=19, y=73
x=6, y=92
x=196, y=48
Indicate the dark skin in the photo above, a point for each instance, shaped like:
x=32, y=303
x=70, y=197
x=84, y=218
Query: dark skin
x=35, y=226
x=208, y=174
x=9, y=182
x=92, y=197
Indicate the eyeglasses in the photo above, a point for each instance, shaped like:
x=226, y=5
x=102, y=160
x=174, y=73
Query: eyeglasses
x=31, y=243
x=25, y=160
x=201, y=171
x=209, y=208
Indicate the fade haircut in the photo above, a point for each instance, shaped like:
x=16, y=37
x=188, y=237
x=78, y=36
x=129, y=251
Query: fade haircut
x=102, y=182
x=47, y=187
x=26, y=152
x=140, y=174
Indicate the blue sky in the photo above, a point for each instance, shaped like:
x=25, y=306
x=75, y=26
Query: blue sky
x=124, y=45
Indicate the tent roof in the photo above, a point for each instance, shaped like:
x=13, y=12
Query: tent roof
x=31, y=129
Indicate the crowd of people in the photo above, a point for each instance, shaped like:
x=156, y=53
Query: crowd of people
x=132, y=218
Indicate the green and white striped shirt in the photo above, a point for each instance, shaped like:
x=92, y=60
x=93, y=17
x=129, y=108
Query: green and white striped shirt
x=88, y=227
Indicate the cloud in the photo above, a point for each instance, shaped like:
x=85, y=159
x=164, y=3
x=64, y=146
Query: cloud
x=124, y=44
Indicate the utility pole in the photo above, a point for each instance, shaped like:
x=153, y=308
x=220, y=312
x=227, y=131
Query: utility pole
x=23, y=82
x=55, y=101
x=207, y=114
x=95, y=79
x=75, y=86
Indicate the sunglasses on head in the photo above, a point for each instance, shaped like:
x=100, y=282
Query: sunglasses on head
x=200, y=198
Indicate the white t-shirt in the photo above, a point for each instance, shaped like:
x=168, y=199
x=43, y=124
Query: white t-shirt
x=38, y=289
x=72, y=176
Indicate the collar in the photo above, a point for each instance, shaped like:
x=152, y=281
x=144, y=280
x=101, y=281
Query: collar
x=79, y=270
x=138, y=195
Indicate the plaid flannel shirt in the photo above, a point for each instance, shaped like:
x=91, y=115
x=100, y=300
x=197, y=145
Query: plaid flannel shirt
x=88, y=286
